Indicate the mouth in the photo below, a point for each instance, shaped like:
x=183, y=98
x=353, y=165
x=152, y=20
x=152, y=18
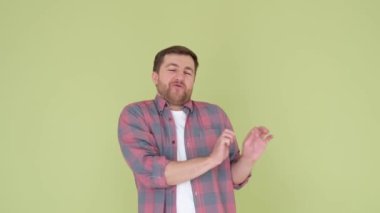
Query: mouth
x=177, y=85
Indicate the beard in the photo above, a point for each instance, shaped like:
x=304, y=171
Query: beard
x=174, y=95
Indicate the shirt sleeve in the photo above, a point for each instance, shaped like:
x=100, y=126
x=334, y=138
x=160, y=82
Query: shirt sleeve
x=234, y=151
x=140, y=150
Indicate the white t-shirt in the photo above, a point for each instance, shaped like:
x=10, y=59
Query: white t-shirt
x=185, y=199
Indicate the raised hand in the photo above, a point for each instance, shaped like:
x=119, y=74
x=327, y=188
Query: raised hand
x=221, y=147
x=255, y=143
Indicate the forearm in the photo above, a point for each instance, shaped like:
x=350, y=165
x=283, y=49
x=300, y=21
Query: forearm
x=180, y=171
x=241, y=170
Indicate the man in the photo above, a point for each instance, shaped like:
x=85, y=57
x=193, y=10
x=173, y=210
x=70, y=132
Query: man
x=183, y=153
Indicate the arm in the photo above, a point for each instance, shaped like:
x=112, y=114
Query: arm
x=253, y=147
x=180, y=171
x=139, y=150
x=152, y=169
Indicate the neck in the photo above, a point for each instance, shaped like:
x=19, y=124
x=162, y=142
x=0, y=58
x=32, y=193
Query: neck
x=175, y=108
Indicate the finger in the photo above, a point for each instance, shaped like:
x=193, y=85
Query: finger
x=268, y=138
x=263, y=130
x=230, y=137
x=229, y=140
x=256, y=132
x=226, y=142
x=229, y=132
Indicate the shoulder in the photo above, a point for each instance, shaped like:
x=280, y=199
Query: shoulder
x=205, y=107
x=138, y=108
x=211, y=115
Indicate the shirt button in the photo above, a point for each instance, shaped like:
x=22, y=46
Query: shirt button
x=173, y=141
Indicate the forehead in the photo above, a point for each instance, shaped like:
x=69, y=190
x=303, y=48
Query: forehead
x=180, y=60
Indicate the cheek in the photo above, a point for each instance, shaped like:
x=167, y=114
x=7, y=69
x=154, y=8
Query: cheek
x=169, y=79
x=165, y=80
x=190, y=83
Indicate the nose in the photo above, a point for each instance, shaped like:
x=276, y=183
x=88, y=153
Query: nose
x=180, y=76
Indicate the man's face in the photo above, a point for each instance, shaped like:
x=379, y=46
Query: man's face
x=175, y=79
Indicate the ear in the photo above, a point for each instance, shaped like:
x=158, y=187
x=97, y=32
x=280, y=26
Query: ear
x=155, y=77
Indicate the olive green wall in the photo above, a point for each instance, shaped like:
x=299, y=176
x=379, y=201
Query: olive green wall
x=308, y=70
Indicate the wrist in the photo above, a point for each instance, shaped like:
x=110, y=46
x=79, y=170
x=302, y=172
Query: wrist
x=212, y=161
x=248, y=159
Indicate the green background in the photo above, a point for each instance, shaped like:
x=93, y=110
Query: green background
x=308, y=70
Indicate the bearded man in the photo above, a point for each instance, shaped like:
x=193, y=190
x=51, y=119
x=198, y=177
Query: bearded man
x=183, y=153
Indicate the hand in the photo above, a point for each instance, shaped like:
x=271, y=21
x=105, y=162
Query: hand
x=255, y=143
x=221, y=147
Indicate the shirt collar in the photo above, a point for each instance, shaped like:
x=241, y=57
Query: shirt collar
x=161, y=103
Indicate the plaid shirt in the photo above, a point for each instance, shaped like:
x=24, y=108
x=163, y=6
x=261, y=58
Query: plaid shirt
x=147, y=137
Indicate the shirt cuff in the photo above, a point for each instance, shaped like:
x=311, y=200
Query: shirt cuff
x=240, y=185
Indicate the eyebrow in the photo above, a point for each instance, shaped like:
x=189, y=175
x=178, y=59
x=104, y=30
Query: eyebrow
x=172, y=64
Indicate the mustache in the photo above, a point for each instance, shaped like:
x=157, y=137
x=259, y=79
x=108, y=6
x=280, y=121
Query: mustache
x=177, y=83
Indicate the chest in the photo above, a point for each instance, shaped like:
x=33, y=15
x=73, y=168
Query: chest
x=199, y=135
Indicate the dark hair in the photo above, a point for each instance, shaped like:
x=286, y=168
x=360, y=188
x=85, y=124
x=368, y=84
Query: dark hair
x=180, y=50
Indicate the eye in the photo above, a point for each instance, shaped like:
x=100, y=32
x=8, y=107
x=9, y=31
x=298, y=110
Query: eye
x=171, y=70
x=188, y=73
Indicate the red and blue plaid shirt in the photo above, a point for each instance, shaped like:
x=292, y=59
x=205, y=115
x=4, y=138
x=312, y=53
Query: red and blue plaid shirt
x=147, y=136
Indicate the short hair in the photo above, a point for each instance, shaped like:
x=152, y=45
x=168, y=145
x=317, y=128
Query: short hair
x=180, y=50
